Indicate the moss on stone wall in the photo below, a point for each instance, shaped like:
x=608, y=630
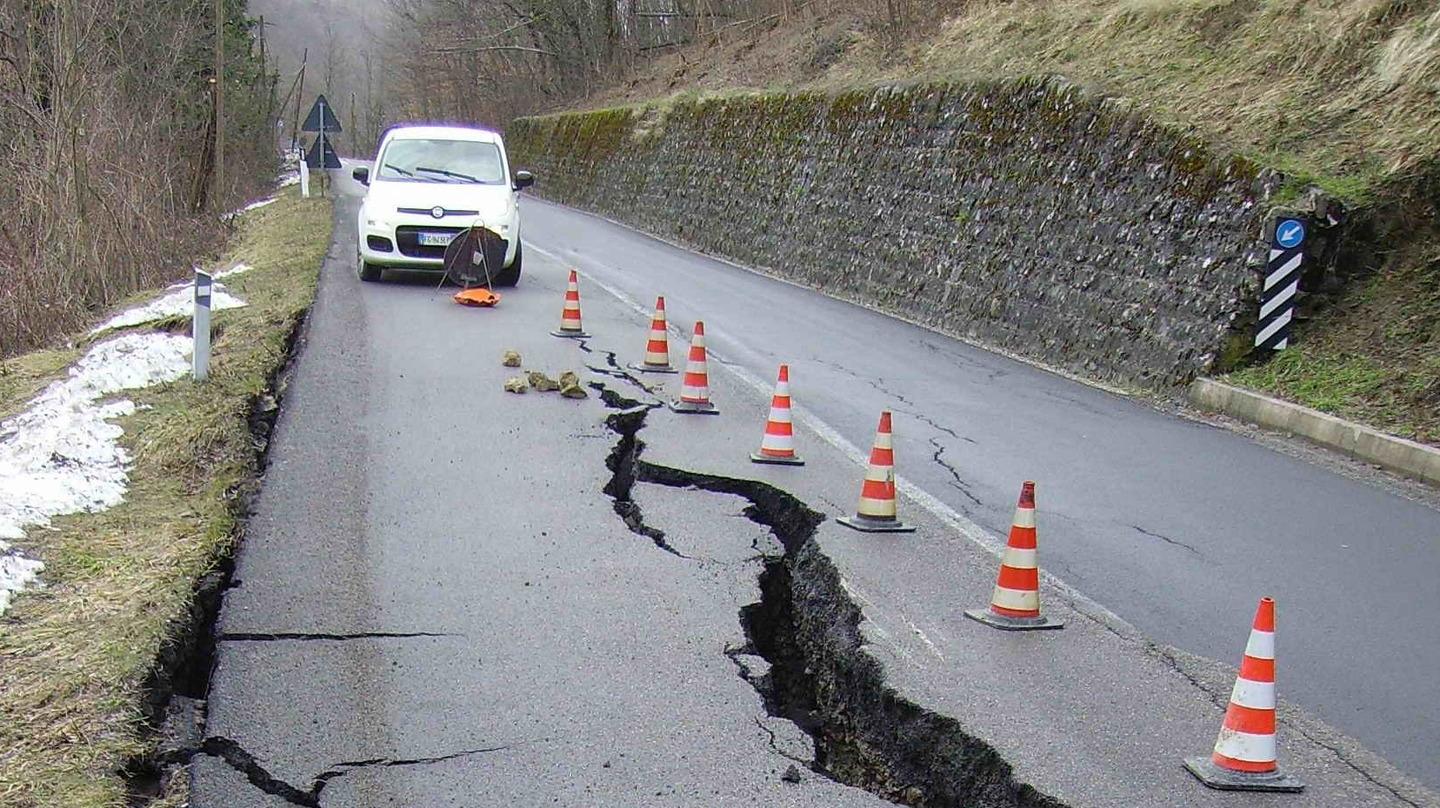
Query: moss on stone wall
x=1025, y=213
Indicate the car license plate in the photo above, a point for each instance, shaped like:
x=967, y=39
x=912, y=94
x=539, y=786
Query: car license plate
x=434, y=239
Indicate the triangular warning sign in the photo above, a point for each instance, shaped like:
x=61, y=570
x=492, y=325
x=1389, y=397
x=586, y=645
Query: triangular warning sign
x=321, y=113
x=322, y=154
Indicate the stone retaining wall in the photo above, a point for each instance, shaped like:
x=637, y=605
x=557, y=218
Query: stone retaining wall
x=1027, y=215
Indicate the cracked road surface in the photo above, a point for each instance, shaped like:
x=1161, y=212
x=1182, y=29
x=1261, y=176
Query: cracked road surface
x=450, y=595
x=1176, y=526
x=438, y=604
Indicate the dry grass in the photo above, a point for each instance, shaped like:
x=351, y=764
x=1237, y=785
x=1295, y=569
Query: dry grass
x=1342, y=93
x=1375, y=357
x=22, y=377
x=74, y=655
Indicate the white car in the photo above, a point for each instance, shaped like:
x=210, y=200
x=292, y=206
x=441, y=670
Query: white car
x=428, y=184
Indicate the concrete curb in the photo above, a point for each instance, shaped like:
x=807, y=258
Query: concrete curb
x=1396, y=454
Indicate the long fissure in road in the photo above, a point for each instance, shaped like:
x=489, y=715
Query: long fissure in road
x=626, y=611
x=1167, y=522
x=803, y=648
x=801, y=652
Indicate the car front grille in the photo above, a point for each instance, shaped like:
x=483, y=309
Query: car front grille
x=444, y=212
x=407, y=239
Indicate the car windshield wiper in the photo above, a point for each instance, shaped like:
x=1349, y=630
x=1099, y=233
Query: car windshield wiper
x=398, y=169
x=457, y=175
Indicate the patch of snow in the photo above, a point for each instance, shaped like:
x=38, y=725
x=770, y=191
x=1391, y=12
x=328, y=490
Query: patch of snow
x=235, y=270
x=225, y=217
x=62, y=454
x=180, y=301
x=288, y=180
x=238, y=269
x=16, y=572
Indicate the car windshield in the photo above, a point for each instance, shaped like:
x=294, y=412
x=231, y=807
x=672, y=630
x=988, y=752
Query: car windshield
x=436, y=160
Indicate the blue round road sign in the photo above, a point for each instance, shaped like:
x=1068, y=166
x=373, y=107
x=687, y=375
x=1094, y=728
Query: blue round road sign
x=1290, y=233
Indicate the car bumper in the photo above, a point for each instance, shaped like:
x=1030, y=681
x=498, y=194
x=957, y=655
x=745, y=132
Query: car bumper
x=406, y=252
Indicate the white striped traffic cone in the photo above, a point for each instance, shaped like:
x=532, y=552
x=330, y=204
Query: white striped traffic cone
x=1244, y=756
x=876, y=513
x=778, y=444
x=695, y=388
x=657, y=349
x=570, y=317
x=1015, y=603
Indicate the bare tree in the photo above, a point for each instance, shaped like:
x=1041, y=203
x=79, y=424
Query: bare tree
x=106, y=137
x=489, y=62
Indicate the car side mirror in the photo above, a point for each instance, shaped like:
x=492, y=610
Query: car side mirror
x=361, y=175
x=523, y=179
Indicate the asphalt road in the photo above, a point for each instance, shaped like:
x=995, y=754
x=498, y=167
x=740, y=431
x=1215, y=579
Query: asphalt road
x=1175, y=525
x=435, y=603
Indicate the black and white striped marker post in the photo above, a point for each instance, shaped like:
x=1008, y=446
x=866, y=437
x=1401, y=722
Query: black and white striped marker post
x=200, y=326
x=1282, y=284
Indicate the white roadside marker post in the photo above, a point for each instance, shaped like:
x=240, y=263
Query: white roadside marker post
x=304, y=178
x=200, y=326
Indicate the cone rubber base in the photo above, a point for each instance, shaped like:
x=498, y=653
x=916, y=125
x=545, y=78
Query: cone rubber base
x=644, y=368
x=794, y=460
x=1213, y=776
x=687, y=408
x=570, y=334
x=1004, y=623
x=866, y=525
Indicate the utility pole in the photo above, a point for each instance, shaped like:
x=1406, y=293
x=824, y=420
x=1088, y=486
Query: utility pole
x=219, y=103
x=299, y=94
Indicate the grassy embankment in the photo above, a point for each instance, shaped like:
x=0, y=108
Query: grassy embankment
x=1341, y=94
x=74, y=655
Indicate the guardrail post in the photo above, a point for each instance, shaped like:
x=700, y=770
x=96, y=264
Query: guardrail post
x=200, y=326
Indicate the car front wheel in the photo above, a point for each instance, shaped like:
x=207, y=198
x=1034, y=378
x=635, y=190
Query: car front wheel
x=509, y=276
x=367, y=271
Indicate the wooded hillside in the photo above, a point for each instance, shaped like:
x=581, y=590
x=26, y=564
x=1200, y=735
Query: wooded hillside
x=106, y=142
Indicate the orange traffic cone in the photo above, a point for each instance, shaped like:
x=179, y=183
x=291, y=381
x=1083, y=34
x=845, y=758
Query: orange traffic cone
x=778, y=444
x=1244, y=756
x=1015, y=604
x=657, y=349
x=877, y=495
x=695, y=389
x=570, y=317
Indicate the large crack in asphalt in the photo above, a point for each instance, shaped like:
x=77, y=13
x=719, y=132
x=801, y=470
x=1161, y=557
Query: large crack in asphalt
x=621, y=463
x=807, y=627
x=626, y=422
x=311, y=636
x=179, y=678
x=242, y=761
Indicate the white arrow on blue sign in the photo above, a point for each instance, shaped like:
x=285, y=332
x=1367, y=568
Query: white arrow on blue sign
x=1290, y=233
